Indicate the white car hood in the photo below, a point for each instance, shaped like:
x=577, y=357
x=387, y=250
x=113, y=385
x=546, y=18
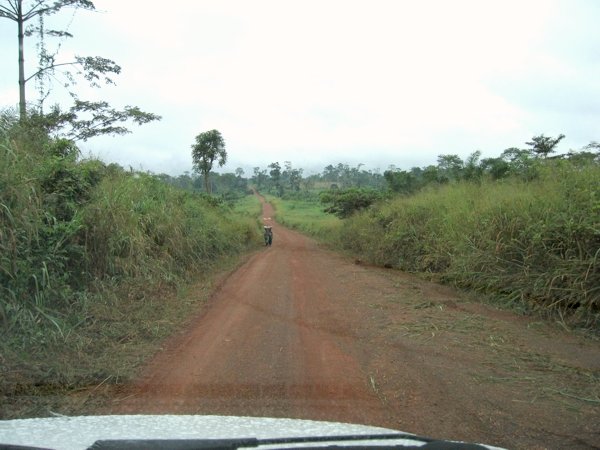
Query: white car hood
x=76, y=433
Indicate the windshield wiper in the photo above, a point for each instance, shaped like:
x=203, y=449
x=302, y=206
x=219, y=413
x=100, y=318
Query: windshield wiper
x=317, y=442
x=320, y=442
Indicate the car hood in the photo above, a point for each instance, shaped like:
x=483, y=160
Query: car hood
x=83, y=431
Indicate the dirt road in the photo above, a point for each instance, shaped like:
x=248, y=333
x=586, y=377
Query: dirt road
x=302, y=332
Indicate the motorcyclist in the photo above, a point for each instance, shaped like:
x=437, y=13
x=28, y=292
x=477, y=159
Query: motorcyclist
x=268, y=235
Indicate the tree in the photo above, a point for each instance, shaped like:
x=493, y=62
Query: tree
x=331, y=173
x=241, y=183
x=344, y=178
x=400, y=181
x=259, y=177
x=544, y=145
x=295, y=179
x=431, y=174
x=521, y=162
x=98, y=118
x=16, y=11
x=472, y=169
x=344, y=203
x=593, y=146
x=85, y=120
x=582, y=158
x=450, y=167
x=209, y=147
x=275, y=173
x=496, y=167
x=291, y=177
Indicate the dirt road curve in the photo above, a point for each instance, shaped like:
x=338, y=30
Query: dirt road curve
x=301, y=332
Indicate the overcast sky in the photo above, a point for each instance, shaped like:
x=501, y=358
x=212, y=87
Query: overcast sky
x=377, y=82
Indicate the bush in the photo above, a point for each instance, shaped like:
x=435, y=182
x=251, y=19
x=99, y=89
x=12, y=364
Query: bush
x=344, y=203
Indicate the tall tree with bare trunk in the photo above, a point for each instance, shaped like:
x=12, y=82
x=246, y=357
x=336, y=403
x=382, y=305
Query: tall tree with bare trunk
x=208, y=149
x=84, y=119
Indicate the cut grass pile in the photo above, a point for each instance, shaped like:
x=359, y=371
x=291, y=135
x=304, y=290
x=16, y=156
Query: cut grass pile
x=446, y=323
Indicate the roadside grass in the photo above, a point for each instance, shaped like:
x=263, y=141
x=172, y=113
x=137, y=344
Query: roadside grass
x=305, y=215
x=95, y=263
x=79, y=372
x=249, y=209
x=533, y=246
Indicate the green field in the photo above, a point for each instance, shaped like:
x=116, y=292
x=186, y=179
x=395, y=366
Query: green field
x=306, y=216
x=248, y=206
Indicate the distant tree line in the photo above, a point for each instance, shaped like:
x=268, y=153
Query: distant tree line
x=227, y=186
x=522, y=163
x=289, y=181
x=277, y=180
x=343, y=188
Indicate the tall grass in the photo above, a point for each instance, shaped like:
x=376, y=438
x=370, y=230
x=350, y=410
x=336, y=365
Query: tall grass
x=130, y=228
x=534, y=244
x=139, y=227
x=91, y=260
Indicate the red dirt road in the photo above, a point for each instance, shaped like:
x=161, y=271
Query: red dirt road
x=273, y=343
x=302, y=332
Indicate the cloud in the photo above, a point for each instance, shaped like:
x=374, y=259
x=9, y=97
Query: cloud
x=385, y=81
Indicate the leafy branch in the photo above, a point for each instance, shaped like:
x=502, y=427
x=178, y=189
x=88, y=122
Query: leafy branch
x=91, y=67
x=85, y=120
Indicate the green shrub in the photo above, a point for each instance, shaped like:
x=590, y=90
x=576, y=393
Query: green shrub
x=344, y=203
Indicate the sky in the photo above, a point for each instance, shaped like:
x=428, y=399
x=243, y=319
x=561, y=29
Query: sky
x=318, y=82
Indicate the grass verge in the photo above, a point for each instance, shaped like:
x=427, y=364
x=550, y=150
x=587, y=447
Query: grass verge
x=94, y=261
x=77, y=373
x=532, y=245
